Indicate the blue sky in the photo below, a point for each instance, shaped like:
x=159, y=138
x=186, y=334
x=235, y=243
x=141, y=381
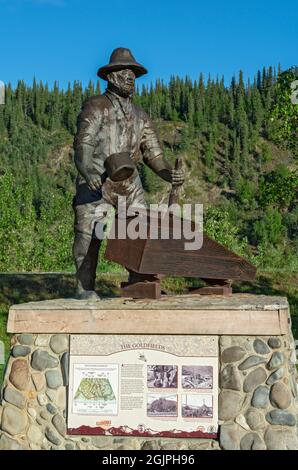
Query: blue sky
x=67, y=40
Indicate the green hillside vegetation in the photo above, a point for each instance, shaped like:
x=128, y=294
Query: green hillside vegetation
x=239, y=147
x=229, y=137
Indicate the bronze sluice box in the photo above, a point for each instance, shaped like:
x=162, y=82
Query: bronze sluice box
x=150, y=259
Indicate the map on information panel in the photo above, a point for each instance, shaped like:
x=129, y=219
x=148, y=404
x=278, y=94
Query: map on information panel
x=96, y=389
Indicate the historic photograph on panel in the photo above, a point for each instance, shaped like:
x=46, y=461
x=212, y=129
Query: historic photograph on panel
x=162, y=376
x=197, y=377
x=197, y=406
x=162, y=405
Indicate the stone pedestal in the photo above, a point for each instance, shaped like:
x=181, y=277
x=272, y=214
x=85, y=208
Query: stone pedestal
x=257, y=379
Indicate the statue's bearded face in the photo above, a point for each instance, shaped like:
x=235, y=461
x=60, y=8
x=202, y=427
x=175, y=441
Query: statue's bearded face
x=122, y=82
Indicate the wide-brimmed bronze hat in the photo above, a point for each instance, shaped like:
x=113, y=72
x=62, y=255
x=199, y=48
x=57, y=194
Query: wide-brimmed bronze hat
x=121, y=58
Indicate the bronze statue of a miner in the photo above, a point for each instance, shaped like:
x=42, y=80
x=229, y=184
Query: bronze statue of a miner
x=112, y=132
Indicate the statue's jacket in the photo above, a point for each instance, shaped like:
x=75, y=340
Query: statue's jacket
x=110, y=124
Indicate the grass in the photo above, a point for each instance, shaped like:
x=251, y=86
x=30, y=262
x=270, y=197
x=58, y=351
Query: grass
x=23, y=287
x=17, y=288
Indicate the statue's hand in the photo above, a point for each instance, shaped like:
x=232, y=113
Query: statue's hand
x=94, y=182
x=178, y=177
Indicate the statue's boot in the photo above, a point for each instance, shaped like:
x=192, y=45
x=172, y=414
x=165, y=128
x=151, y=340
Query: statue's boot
x=85, y=252
x=82, y=294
